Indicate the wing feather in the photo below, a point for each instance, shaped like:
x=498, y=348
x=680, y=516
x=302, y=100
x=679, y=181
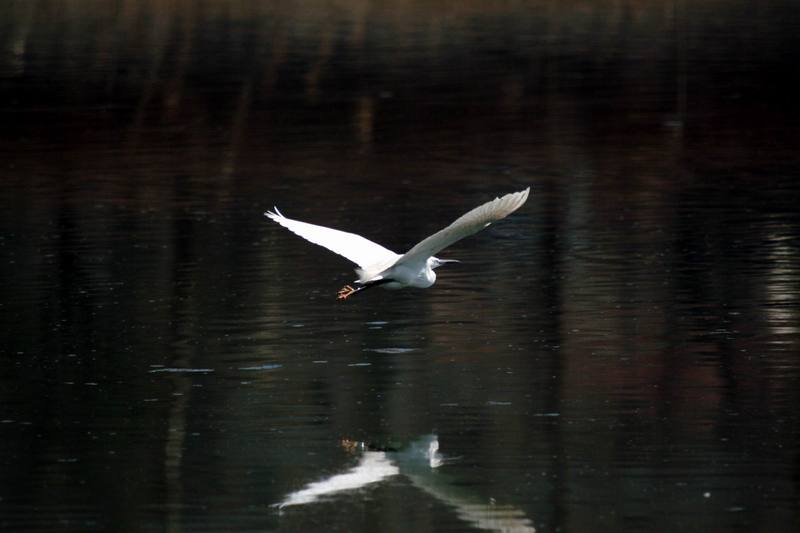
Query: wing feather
x=467, y=224
x=356, y=248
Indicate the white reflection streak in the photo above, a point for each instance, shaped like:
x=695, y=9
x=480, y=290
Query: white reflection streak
x=781, y=285
x=468, y=507
x=372, y=468
x=418, y=463
x=434, y=457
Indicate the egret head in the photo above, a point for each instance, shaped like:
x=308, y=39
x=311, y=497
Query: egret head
x=435, y=262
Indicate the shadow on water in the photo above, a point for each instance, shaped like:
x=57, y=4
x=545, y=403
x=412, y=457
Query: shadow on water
x=619, y=355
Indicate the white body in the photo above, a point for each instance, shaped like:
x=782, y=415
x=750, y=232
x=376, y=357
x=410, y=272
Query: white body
x=410, y=274
x=378, y=265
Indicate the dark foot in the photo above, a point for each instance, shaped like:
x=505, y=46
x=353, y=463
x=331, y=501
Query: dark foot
x=344, y=292
x=350, y=445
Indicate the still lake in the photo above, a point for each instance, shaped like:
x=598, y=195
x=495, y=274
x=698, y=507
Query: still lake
x=621, y=354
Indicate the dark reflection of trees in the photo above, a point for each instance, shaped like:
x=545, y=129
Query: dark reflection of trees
x=661, y=139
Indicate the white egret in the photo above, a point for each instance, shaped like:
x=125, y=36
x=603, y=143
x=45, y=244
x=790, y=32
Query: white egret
x=379, y=266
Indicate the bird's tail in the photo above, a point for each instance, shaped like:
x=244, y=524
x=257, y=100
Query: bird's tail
x=363, y=275
x=274, y=215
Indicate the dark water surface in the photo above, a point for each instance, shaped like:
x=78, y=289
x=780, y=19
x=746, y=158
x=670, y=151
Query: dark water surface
x=622, y=354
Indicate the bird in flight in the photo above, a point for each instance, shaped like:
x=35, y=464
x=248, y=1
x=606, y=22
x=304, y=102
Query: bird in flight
x=415, y=268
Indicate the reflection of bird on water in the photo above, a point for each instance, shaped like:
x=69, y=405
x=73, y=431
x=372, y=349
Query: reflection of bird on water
x=418, y=462
x=379, y=266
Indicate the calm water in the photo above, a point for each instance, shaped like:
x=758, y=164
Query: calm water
x=621, y=354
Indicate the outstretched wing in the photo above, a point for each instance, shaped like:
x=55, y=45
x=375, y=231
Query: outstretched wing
x=356, y=248
x=466, y=225
x=372, y=468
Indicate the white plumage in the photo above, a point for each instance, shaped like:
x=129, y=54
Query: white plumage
x=380, y=266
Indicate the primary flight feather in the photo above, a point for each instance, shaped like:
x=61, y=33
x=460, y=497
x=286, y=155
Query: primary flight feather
x=380, y=266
